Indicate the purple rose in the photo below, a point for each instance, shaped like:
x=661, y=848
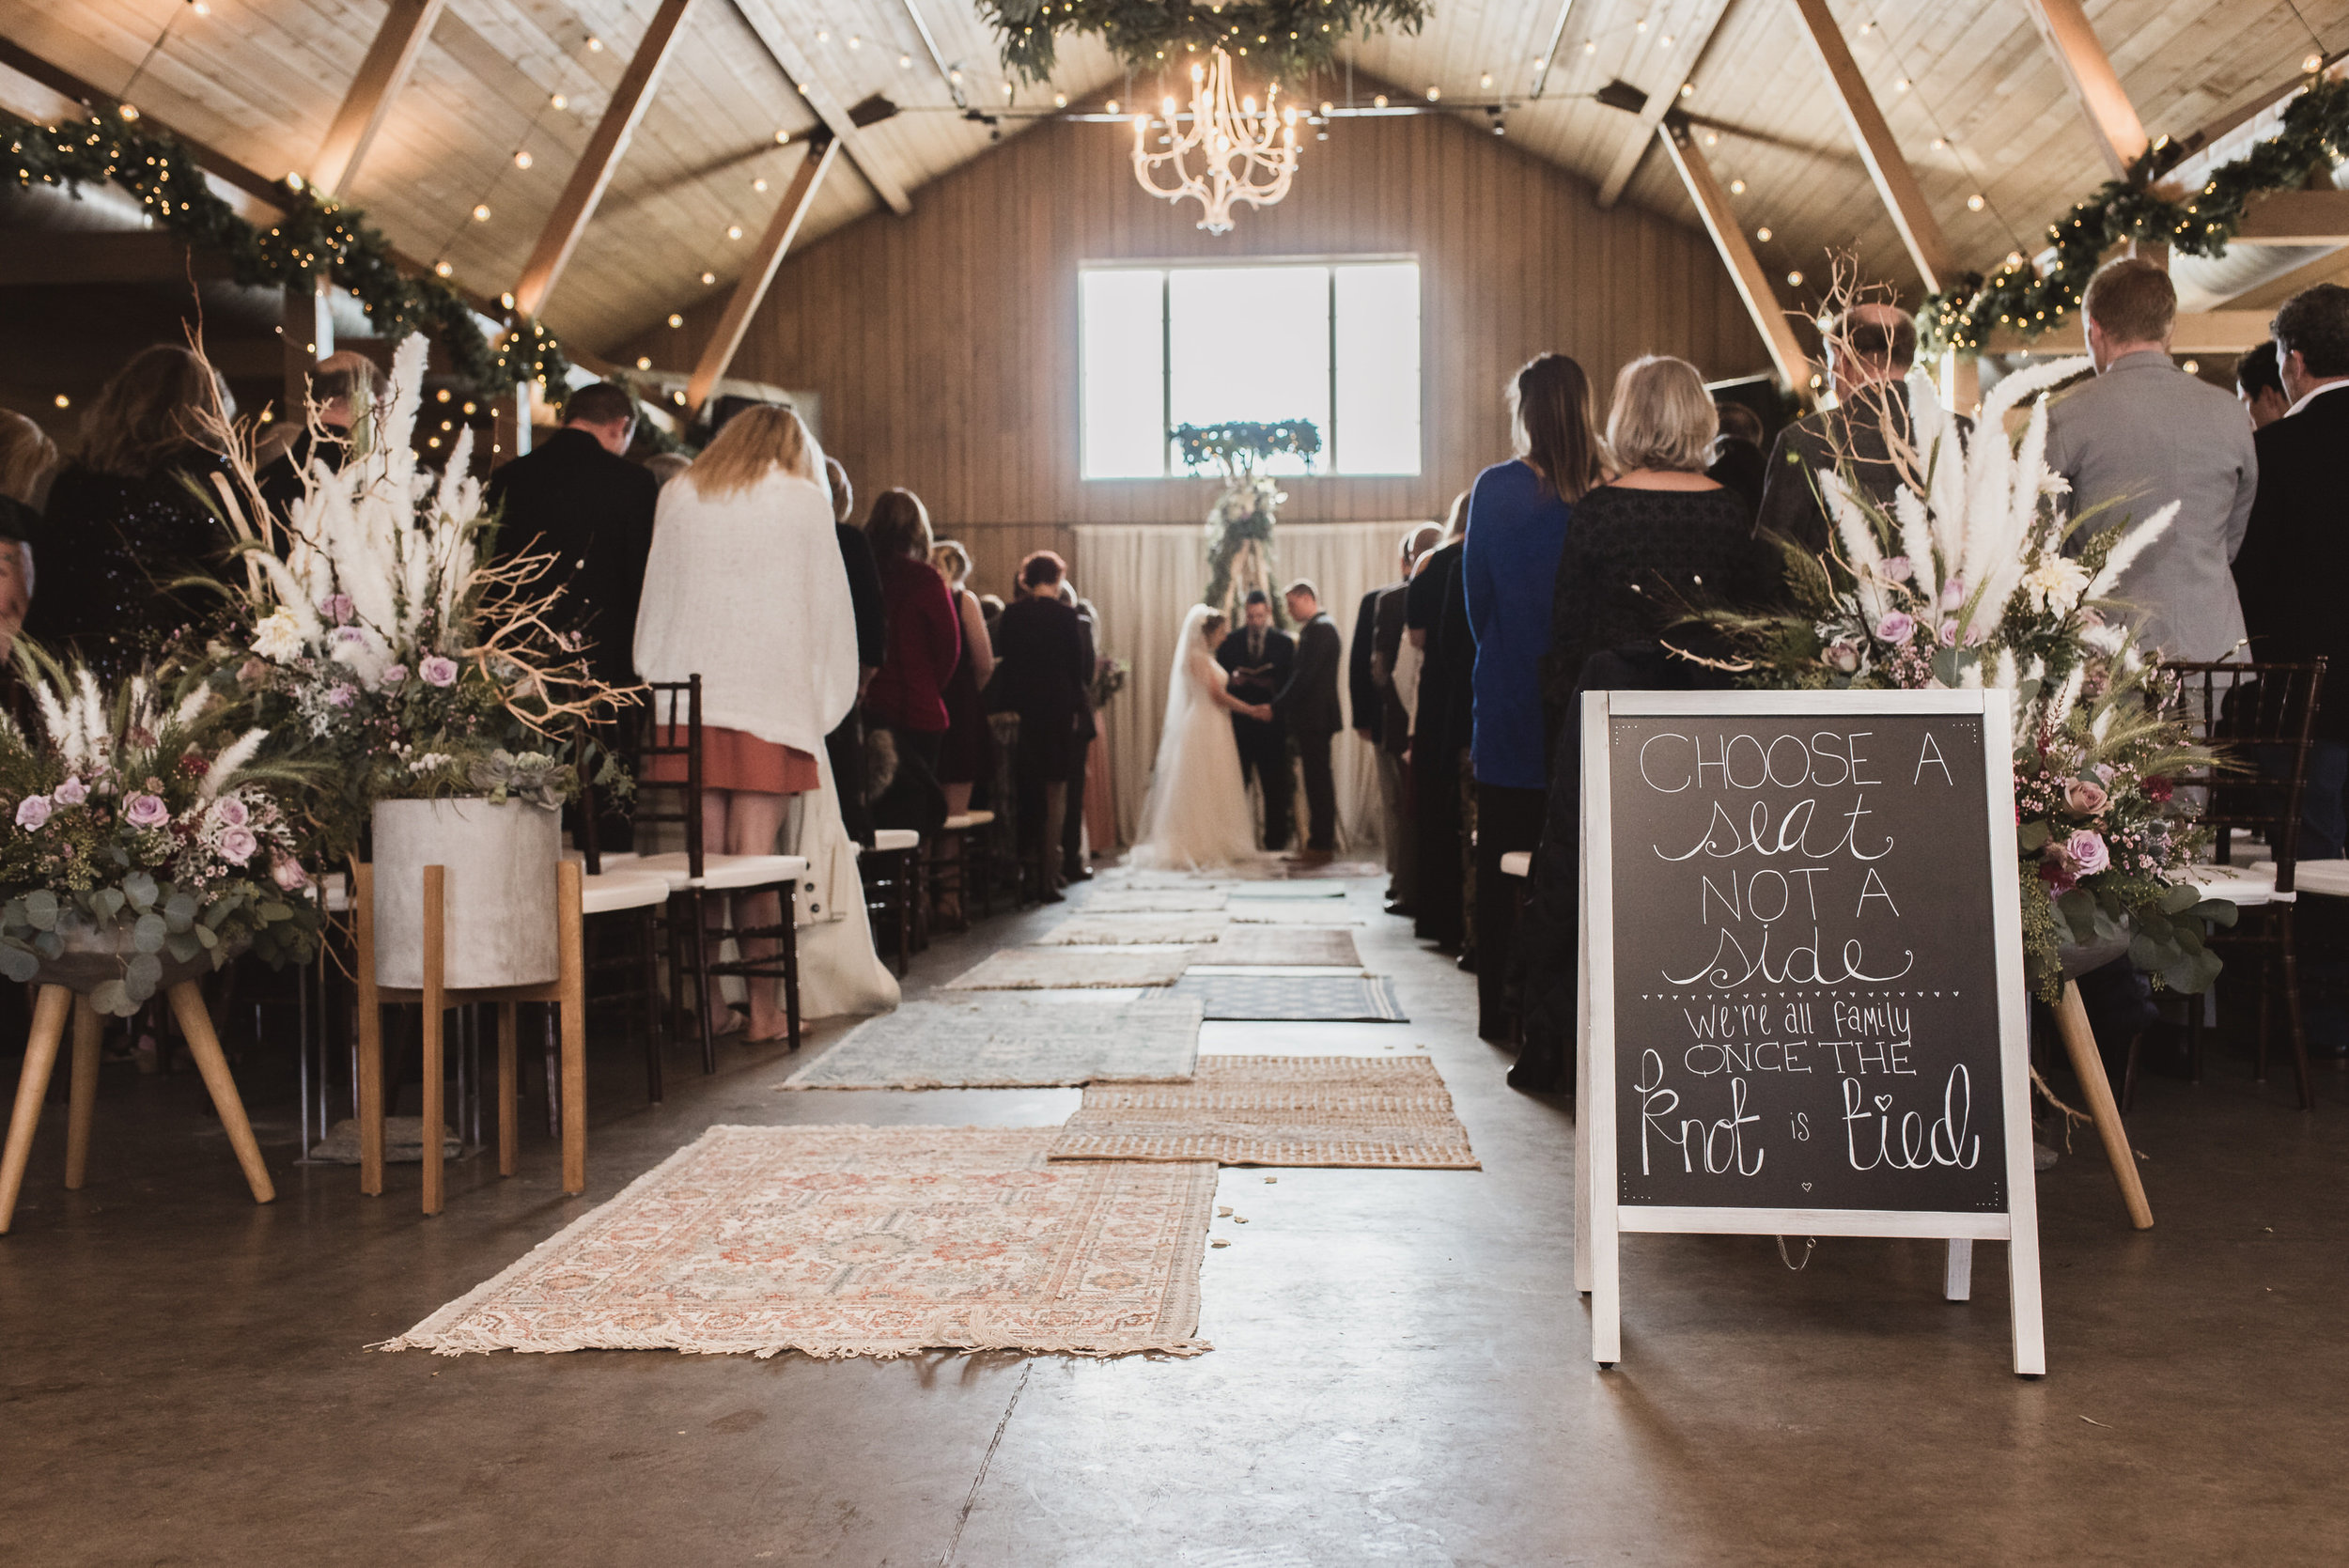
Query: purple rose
x=238, y=844
x=287, y=874
x=1948, y=634
x=140, y=811
x=395, y=674
x=1953, y=593
x=1894, y=568
x=438, y=669
x=72, y=792
x=33, y=810
x=338, y=608
x=2087, y=852
x=230, y=812
x=2083, y=797
x=342, y=696
x=349, y=634
x=1843, y=655
x=1898, y=627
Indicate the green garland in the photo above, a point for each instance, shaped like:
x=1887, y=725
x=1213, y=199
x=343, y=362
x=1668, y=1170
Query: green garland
x=2315, y=136
x=316, y=235
x=1239, y=446
x=1287, y=39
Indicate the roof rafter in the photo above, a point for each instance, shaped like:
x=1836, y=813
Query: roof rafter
x=761, y=15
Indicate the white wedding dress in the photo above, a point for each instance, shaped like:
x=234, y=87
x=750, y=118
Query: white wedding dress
x=1197, y=816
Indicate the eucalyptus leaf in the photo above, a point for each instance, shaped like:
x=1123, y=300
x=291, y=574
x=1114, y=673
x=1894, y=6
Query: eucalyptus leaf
x=183, y=946
x=180, y=910
x=2079, y=909
x=139, y=888
x=2218, y=911
x=220, y=912
x=2180, y=899
x=206, y=936
x=2185, y=975
x=41, y=909
x=272, y=911
x=2033, y=835
x=143, y=973
x=17, y=963
x=106, y=903
x=2144, y=952
x=149, y=933
x=114, y=997
x=48, y=944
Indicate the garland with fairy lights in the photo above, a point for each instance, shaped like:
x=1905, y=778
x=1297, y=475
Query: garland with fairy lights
x=316, y=236
x=2314, y=136
x=1286, y=39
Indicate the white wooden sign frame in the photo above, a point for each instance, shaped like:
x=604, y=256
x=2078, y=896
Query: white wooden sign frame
x=1600, y=1219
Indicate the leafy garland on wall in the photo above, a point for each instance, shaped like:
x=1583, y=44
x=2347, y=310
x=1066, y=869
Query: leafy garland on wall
x=1286, y=38
x=316, y=235
x=2314, y=136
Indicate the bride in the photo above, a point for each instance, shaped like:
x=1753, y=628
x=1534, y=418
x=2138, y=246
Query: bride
x=1198, y=815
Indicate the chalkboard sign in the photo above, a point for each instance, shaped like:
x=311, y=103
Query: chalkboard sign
x=1802, y=974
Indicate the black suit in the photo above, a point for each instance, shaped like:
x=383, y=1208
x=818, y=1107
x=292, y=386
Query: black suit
x=846, y=744
x=1854, y=434
x=1264, y=744
x=592, y=513
x=1362, y=680
x=1309, y=701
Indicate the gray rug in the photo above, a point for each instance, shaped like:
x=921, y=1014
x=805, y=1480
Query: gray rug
x=1111, y=901
x=1281, y=945
x=1288, y=911
x=1094, y=930
x=1004, y=1041
x=1055, y=969
x=1294, y=997
x=1289, y=889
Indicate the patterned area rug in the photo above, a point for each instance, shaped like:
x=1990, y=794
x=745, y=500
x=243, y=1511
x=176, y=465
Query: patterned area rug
x=1288, y=912
x=1004, y=1040
x=1092, y=931
x=1254, y=891
x=860, y=1241
x=1291, y=998
x=1267, y=945
x=1127, y=901
x=1050, y=968
x=1358, y=1110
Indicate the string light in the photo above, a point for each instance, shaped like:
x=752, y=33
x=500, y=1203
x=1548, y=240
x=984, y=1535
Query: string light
x=507, y=299
x=782, y=136
x=1763, y=234
x=2192, y=368
x=1900, y=85
x=441, y=269
x=521, y=158
x=481, y=212
x=643, y=362
x=1111, y=106
x=675, y=320
x=594, y=44
x=63, y=401
x=855, y=42
x=469, y=411
x=734, y=231
x=1379, y=102
x=1794, y=280
x=1434, y=93
x=1060, y=101
x=1590, y=46
x=559, y=101
x=1975, y=202
x=905, y=62
x=760, y=184
x=1687, y=89
x=1485, y=80
x=1737, y=187
x=128, y=111
x=442, y=396
x=2314, y=64
x=710, y=278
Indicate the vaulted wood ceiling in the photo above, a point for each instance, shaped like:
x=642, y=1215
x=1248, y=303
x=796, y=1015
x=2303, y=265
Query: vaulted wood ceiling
x=1985, y=112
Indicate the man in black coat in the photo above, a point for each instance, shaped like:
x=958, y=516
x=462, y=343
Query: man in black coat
x=1258, y=658
x=845, y=745
x=1869, y=350
x=1439, y=910
x=1309, y=701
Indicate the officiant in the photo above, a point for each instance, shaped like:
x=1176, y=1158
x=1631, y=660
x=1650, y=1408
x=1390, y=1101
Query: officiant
x=1258, y=658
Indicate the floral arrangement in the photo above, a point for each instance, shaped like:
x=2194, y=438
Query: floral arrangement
x=1239, y=527
x=1286, y=38
x=371, y=634
x=130, y=833
x=1109, y=679
x=1963, y=581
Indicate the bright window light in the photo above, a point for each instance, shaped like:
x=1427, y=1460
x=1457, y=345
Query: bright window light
x=1337, y=344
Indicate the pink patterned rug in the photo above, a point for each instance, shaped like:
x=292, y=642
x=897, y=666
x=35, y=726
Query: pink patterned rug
x=860, y=1241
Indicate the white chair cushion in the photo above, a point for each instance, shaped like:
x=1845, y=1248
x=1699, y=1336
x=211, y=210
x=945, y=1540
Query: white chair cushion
x=2326, y=878
x=719, y=872
x=965, y=820
x=895, y=838
x=614, y=890
x=1517, y=862
x=2244, y=886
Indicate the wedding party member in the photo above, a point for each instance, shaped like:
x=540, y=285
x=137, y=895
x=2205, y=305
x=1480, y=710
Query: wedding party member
x=1438, y=737
x=120, y=523
x=964, y=759
x=1737, y=459
x=1519, y=516
x=1072, y=822
x=1309, y=701
x=1393, y=686
x=342, y=387
x=26, y=457
x=2259, y=386
x=1870, y=348
x=579, y=500
x=1258, y=658
x=907, y=699
x=744, y=587
x=1196, y=816
x=1659, y=536
x=845, y=746
x=2143, y=434
x=1040, y=674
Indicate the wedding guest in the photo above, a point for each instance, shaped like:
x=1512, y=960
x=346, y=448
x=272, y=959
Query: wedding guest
x=1870, y=348
x=1309, y=701
x=844, y=748
x=1439, y=738
x=990, y=606
x=1643, y=544
x=1258, y=656
x=964, y=758
x=907, y=699
x=2143, y=434
x=1041, y=672
x=1737, y=460
x=26, y=457
x=2259, y=386
x=343, y=387
x=579, y=500
x=121, y=522
x=1072, y=825
x=1389, y=608
x=744, y=587
x=1519, y=517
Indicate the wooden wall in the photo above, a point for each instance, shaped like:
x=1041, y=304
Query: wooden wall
x=946, y=343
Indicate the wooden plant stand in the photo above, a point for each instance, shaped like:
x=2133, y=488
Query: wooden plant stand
x=567, y=991
x=40, y=1059
x=2079, y=1044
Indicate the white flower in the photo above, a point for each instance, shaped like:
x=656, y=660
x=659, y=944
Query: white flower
x=278, y=636
x=2052, y=483
x=2055, y=585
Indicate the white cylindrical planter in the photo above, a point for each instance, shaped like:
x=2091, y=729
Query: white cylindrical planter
x=499, y=894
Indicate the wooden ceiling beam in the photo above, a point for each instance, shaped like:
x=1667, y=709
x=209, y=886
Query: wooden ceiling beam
x=1685, y=57
x=2295, y=218
x=1903, y=198
x=368, y=102
x=750, y=287
x=1745, y=268
x=605, y=147
x=2095, y=86
x=763, y=21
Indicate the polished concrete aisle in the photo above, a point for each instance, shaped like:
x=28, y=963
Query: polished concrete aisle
x=1400, y=1373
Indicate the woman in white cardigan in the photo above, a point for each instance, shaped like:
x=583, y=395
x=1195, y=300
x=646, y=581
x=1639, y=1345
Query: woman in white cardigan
x=744, y=586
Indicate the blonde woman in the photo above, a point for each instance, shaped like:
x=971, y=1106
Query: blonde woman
x=744, y=586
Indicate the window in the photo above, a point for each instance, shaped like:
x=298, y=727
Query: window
x=1336, y=343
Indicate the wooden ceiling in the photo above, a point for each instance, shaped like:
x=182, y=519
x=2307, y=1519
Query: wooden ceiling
x=1985, y=112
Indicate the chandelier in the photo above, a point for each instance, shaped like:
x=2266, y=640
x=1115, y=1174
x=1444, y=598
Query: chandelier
x=1244, y=153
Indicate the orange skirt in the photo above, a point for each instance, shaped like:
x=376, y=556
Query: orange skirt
x=736, y=759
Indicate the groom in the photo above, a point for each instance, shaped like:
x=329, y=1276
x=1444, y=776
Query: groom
x=1258, y=658
x=1310, y=704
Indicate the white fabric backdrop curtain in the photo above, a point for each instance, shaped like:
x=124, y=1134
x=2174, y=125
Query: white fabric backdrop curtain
x=1143, y=580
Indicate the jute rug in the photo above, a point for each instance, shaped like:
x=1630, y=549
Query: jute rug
x=1271, y=945
x=860, y=1241
x=1050, y=968
x=1288, y=911
x=1358, y=1111
x=1114, y=930
x=1005, y=1040
x=1127, y=901
x=1290, y=998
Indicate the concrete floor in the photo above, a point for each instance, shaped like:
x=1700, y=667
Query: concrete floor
x=1401, y=1370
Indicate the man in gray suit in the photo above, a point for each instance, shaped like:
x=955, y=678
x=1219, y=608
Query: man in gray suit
x=2143, y=434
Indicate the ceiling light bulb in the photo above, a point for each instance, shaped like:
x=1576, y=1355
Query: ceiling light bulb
x=1974, y=203
x=507, y=299
x=1712, y=138
x=1379, y=102
x=760, y=184
x=1763, y=234
x=823, y=35
x=481, y=212
x=1328, y=108
x=559, y=101
x=1794, y=280
x=2314, y=63
x=1111, y=106
x=956, y=77
x=1687, y=89
x=521, y=158
x=1590, y=46
x=710, y=278
x=1939, y=142
x=675, y=320
x=1060, y=101
x=594, y=44
x=855, y=42
x=782, y=136
x=1737, y=187
x=905, y=62
x=1541, y=62
x=643, y=362
x=1668, y=41
x=734, y=231
x=2015, y=259
x=441, y=269
x=1900, y=85
x=1641, y=25
x=1485, y=80
x=130, y=111
x=1434, y=93
x=63, y=401
x=1867, y=28
x=199, y=7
